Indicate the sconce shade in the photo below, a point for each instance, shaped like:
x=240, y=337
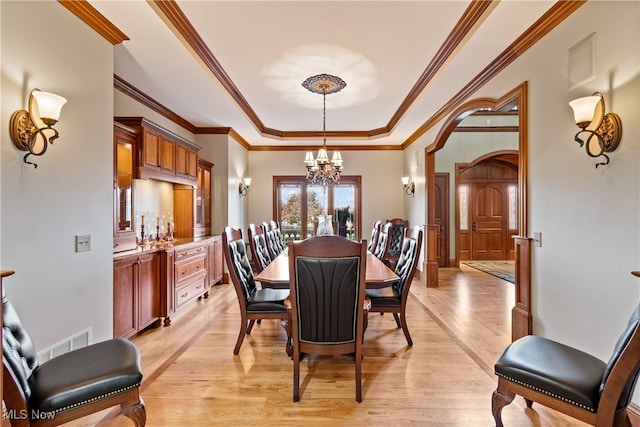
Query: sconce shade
x=405, y=180
x=247, y=182
x=584, y=109
x=49, y=105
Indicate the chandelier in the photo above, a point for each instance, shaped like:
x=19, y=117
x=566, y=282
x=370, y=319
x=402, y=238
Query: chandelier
x=321, y=170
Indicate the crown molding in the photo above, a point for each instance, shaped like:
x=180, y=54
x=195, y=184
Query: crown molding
x=94, y=19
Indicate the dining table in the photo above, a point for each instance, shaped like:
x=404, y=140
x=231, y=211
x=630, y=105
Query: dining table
x=276, y=274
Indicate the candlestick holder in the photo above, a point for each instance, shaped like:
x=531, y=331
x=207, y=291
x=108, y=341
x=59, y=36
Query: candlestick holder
x=142, y=234
x=157, y=233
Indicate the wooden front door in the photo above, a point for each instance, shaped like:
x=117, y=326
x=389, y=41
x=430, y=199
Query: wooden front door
x=488, y=221
x=486, y=208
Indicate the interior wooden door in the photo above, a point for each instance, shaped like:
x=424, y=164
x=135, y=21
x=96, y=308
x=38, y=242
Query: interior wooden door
x=442, y=218
x=488, y=221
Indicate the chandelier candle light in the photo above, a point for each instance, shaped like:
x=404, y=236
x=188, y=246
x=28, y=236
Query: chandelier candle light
x=321, y=170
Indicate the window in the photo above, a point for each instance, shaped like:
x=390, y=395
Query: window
x=464, y=207
x=298, y=204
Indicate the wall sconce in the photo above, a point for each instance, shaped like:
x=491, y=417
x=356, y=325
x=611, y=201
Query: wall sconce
x=604, y=130
x=244, y=187
x=408, y=185
x=27, y=128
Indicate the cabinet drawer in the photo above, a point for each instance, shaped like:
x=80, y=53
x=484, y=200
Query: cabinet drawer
x=190, y=266
x=191, y=289
x=186, y=253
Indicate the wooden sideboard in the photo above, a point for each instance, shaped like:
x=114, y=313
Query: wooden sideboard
x=152, y=285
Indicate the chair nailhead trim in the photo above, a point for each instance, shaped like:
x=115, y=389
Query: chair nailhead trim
x=85, y=402
x=548, y=393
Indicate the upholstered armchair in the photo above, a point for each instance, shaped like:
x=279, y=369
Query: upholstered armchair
x=255, y=304
x=71, y=385
x=569, y=380
x=327, y=301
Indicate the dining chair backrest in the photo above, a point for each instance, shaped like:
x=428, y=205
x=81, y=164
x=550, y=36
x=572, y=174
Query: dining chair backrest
x=408, y=260
x=259, y=250
x=383, y=242
x=240, y=271
x=396, y=234
x=373, y=241
x=327, y=291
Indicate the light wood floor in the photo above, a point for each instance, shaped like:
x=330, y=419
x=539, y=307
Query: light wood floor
x=459, y=330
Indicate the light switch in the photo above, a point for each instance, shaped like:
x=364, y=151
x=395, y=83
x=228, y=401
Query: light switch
x=83, y=243
x=537, y=238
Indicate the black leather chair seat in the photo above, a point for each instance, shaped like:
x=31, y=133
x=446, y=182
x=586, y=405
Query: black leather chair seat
x=388, y=296
x=554, y=369
x=268, y=299
x=85, y=375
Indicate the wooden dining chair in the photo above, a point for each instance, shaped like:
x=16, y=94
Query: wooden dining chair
x=373, y=240
x=382, y=243
x=258, y=245
x=393, y=299
x=394, y=245
x=71, y=385
x=569, y=380
x=255, y=304
x=327, y=294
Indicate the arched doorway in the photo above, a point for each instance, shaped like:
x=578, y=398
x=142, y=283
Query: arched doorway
x=516, y=99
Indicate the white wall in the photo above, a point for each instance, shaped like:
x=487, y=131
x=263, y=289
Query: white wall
x=382, y=193
x=582, y=290
x=57, y=291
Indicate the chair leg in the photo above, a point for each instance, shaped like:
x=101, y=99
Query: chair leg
x=499, y=400
x=250, y=327
x=405, y=329
x=241, y=334
x=358, y=378
x=397, y=319
x=135, y=411
x=296, y=377
x=528, y=402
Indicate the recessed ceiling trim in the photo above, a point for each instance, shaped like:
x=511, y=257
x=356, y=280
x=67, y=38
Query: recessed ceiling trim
x=94, y=19
x=171, y=14
x=554, y=16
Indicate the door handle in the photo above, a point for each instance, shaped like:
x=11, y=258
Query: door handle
x=473, y=226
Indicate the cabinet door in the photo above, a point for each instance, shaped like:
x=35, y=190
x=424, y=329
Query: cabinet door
x=124, y=237
x=148, y=290
x=192, y=163
x=151, y=149
x=216, y=267
x=168, y=163
x=181, y=160
x=125, y=313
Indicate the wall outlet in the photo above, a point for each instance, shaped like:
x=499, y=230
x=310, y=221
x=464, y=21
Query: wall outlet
x=83, y=243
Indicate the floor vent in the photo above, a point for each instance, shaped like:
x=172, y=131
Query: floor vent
x=79, y=340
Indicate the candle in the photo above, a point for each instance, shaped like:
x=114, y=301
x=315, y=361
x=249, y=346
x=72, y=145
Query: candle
x=158, y=221
x=142, y=219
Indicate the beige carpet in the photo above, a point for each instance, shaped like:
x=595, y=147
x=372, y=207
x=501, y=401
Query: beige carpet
x=502, y=269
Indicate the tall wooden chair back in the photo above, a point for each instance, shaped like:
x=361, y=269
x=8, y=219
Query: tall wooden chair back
x=327, y=293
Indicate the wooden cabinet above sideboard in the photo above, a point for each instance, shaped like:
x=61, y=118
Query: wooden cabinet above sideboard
x=161, y=154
